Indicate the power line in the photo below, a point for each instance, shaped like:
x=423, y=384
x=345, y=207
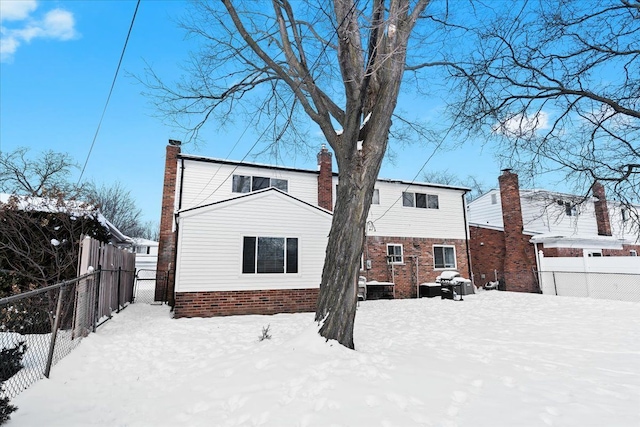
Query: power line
x=435, y=150
x=324, y=48
x=113, y=83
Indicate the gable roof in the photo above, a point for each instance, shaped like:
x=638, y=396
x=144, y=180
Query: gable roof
x=254, y=194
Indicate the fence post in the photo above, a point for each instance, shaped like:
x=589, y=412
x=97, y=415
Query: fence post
x=96, y=314
x=555, y=287
x=54, y=333
x=119, y=272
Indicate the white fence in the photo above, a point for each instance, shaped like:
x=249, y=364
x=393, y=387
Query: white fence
x=615, y=278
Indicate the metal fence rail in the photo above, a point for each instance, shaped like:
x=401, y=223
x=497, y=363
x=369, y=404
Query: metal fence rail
x=50, y=322
x=614, y=286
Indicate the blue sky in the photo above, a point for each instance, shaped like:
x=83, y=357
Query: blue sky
x=58, y=62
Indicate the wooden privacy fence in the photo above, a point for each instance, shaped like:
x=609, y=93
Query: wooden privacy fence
x=47, y=324
x=115, y=281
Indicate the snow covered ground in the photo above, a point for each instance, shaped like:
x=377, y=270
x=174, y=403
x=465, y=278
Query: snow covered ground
x=494, y=359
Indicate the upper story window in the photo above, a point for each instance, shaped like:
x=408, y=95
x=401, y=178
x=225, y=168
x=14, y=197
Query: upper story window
x=569, y=208
x=394, y=254
x=375, y=200
x=246, y=184
x=420, y=200
x=494, y=199
x=269, y=255
x=625, y=214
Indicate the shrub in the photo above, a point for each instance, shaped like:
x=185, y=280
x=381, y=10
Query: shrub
x=10, y=364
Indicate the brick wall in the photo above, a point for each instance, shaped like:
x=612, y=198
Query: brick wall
x=227, y=303
x=519, y=257
x=563, y=252
x=602, y=213
x=167, y=244
x=487, y=254
x=625, y=251
x=404, y=275
x=325, y=182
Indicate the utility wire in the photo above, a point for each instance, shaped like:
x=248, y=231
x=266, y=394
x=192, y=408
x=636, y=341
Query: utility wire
x=324, y=48
x=113, y=83
x=435, y=150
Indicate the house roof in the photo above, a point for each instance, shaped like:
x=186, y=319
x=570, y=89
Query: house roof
x=499, y=228
x=310, y=171
x=552, y=240
x=255, y=194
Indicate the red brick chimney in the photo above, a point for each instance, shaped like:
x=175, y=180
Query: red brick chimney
x=602, y=213
x=325, y=179
x=167, y=244
x=519, y=253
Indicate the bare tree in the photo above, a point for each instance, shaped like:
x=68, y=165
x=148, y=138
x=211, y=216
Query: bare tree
x=338, y=64
x=37, y=177
x=39, y=238
x=558, y=82
x=445, y=177
x=118, y=206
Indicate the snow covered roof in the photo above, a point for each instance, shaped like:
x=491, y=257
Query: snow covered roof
x=554, y=240
x=139, y=241
x=74, y=208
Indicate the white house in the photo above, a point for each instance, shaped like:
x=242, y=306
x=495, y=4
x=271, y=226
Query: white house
x=146, y=253
x=251, y=238
x=510, y=226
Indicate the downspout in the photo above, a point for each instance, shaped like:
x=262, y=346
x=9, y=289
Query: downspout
x=172, y=296
x=466, y=235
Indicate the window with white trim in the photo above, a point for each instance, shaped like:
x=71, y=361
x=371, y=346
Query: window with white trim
x=375, y=200
x=420, y=200
x=394, y=254
x=269, y=255
x=633, y=252
x=494, y=199
x=570, y=209
x=246, y=184
x=444, y=257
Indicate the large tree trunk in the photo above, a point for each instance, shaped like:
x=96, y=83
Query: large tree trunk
x=337, y=301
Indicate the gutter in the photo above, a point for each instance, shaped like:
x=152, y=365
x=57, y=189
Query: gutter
x=466, y=235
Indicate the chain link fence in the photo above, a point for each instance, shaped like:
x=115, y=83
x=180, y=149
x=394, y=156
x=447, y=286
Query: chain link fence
x=146, y=283
x=45, y=325
x=614, y=286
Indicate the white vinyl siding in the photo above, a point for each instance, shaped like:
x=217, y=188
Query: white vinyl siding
x=208, y=182
x=210, y=245
x=541, y=213
x=391, y=218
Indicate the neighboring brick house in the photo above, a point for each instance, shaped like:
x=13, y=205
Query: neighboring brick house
x=508, y=226
x=245, y=238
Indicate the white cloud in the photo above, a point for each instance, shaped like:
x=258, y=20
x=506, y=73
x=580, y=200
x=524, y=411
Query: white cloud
x=522, y=125
x=16, y=10
x=57, y=24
